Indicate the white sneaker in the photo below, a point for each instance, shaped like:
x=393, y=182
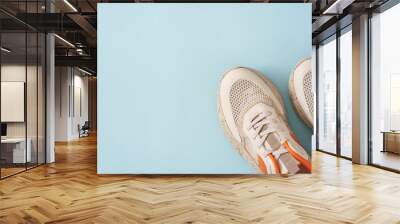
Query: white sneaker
x=253, y=116
x=301, y=91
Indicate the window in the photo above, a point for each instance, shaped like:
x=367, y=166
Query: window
x=327, y=96
x=385, y=89
x=346, y=93
x=334, y=106
x=394, y=102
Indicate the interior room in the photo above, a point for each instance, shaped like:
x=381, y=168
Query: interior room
x=22, y=103
x=237, y=111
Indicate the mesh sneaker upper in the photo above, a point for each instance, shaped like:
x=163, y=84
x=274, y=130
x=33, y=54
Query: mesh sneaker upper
x=245, y=94
x=252, y=114
x=308, y=93
x=301, y=91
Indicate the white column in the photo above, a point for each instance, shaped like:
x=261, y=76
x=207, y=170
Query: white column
x=360, y=90
x=50, y=92
x=50, y=100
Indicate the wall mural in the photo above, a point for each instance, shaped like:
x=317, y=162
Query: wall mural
x=204, y=89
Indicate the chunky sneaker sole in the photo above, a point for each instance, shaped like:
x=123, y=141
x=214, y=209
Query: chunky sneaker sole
x=253, y=116
x=301, y=91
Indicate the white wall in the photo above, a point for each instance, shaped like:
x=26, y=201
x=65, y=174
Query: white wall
x=62, y=82
x=69, y=112
x=80, y=112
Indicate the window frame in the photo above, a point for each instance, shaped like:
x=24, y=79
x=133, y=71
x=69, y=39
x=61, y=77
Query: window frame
x=334, y=37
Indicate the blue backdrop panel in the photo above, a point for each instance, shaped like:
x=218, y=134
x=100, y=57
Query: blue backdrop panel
x=159, y=66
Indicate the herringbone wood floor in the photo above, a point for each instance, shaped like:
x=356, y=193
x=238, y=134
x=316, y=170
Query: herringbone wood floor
x=69, y=191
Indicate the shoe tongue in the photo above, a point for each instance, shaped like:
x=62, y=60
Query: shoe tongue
x=273, y=141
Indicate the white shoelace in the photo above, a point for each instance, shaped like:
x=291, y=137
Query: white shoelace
x=262, y=125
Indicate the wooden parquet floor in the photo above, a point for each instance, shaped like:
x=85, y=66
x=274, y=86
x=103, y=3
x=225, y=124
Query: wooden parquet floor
x=70, y=191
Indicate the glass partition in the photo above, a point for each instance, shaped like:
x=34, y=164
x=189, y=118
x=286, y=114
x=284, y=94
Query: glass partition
x=41, y=107
x=32, y=96
x=22, y=101
x=14, y=153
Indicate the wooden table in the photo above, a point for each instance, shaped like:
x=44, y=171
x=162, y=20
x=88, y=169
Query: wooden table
x=14, y=151
x=391, y=141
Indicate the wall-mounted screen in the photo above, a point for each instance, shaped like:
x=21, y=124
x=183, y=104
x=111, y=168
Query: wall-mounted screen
x=12, y=101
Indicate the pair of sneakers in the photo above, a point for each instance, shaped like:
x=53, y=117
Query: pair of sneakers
x=252, y=113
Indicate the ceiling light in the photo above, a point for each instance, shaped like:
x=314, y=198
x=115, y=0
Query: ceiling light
x=333, y=6
x=84, y=71
x=5, y=50
x=65, y=41
x=79, y=51
x=337, y=7
x=70, y=5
